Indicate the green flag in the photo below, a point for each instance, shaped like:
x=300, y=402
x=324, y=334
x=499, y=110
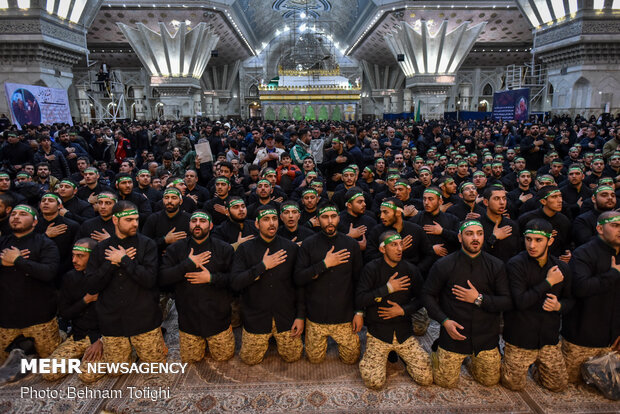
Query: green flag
x=417, y=112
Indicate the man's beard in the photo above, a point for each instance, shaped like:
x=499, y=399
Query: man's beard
x=237, y=219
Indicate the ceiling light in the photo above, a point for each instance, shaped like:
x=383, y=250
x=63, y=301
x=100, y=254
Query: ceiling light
x=302, y=15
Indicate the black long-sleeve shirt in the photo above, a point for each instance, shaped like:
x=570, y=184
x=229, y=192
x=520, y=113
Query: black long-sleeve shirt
x=301, y=234
x=584, y=227
x=64, y=242
x=330, y=293
x=528, y=325
x=71, y=306
x=128, y=302
x=267, y=295
x=229, y=230
x=372, y=293
x=450, y=224
x=594, y=321
x=96, y=224
x=159, y=224
x=481, y=324
x=204, y=309
x=502, y=249
x=347, y=219
x=78, y=210
x=420, y=253
x=461, y=209
x=143, y=204
x=217, y=217
x=27, y=290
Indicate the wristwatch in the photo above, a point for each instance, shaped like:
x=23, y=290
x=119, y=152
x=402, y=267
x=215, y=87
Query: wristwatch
x=478, y=300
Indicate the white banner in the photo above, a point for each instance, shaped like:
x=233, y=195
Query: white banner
x=34, y=105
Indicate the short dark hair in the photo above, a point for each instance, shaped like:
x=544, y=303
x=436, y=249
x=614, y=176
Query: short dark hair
x=386, y=234
x=123, y=205
x=90, y=243
x=539, y=224
x=488, y=192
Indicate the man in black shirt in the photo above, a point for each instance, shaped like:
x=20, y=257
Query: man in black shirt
x=328, y=266
x=389, y=292
x=92, y=187
x=354, y=221
x=216, y=207
x=78, y=306
x=197, y=267
x=29, y=262
x=309, y=200
x=124, y=186
x=262, y=272
x=291, y=230
x=550, y=199
x=237, y=229
x=101, y=227
x=592, y=327
x=73, y=208
x=584, y=225
x=123, y=271
x=501, y=235
x=62, y=231
x=264, y=192
x=465, y=292
x=540, y=285
x=169, y=225
x=467, y=208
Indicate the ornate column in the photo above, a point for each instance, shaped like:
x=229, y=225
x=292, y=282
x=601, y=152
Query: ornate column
x=84, y=104
x=579, y=45
x=40, y=41
x=432, y=60
x=175, y=62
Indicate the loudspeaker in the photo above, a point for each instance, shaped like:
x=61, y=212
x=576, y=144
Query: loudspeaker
x=214, y=53
x=400, y=58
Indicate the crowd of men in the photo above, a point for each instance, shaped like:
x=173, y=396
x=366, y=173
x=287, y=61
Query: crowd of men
x=302, y=232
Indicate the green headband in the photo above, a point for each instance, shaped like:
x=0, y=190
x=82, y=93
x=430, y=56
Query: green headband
x=479, y=173
x=23, y=174
x=606, y=180
x=290, y=206
x=355, y=196
x=27, y=209
x=82, y=249
x=121, y=179
x=5, y=175
x=432, y=191
x=222, y=180
x=327, y=209
x=389, y=204
x=93, y=170
x=319, y=183
x=462, y=162
x=126, y=213
x=449, y=180
x=393, y=177
x=519, y=159
x=172, y=190
x=200, y=214
x=368, y=169
x=401, y=184
x=465, y=184
x=177, y=181
x=71, y=183
x=603, y=188
x=266, y=213
x=390, y=239
x=110, y=196
x=602, y=222
x=54, y=196
x=468, y=224
x=269, y=171
x=379, y=159
x=309, y=190
x=235, y=202
x=451, y=165
x=348, y=169
x=552, y=192
x=538, y=232
x=525, y=171
x=497, y=164
x=262, y=180
x=144, y=172
x=336, y=141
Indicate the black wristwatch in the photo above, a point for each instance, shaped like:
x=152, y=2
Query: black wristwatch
x=478, y=300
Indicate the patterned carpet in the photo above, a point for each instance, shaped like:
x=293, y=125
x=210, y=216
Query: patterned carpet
x=277, y=387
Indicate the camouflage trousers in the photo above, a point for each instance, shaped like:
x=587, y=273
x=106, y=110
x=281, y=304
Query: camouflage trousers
x=420, y=322
x=316, y=341
x=485, y=367
x=68, y=350
x=46, y=338
x=576, y=355
x=374, y=362
x=548, y=359
x=221, y=346
x=149, y=346
x=254, y=346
